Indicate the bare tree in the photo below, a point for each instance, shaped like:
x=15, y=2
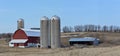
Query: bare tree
x=67, y=29
x=115, y=28
x=6, y=36
x=111, y=29
x=78, y=28
x=91, y=28
x=105, y=28
x=86, y=28
x=98, y=28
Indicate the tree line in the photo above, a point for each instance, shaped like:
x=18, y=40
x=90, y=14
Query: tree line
x=91, y=28
x=6, y=36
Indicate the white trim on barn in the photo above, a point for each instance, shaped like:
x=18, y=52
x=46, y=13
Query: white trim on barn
x=18, y=40
x=11, y=43
x=21, y=46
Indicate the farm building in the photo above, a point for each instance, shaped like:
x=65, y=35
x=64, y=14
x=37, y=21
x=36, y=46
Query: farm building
x=85, y=40
x=25, y=38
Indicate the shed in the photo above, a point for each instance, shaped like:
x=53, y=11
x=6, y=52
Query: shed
x=25, y=38
x=85, y=40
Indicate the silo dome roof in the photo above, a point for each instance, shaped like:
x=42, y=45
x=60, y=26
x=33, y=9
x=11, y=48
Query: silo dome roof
x=55, y=17
x=44, y=18
x=20, y=19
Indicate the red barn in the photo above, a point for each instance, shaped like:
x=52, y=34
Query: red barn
x=25, y=38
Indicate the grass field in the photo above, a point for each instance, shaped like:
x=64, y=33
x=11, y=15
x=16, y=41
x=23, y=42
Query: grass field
x=110, y=47
x=91, y=51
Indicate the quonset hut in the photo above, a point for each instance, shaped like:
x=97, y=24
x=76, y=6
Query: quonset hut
x=25, y=38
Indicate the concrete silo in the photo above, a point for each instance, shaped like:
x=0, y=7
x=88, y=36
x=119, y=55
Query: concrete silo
x=55, y=32
x=44, y=29
x=20, y=23
x=49, y=34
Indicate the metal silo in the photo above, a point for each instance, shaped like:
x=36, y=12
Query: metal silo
x=44, y=29
x=49, y=34
x=55, y=32
x=20, y=23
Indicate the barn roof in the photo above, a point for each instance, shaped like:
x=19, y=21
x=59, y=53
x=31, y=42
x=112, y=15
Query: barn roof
x=83, y=39
x=31, y=32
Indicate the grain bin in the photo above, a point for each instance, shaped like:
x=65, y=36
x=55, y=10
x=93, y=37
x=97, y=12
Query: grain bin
x=55, y=32
x=44, y=29
x=20, y=23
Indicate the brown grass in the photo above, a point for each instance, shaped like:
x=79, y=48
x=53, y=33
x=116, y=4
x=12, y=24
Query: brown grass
x=111, y=47
x=96, y=51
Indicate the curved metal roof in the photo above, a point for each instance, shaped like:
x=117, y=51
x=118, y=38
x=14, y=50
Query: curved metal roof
x=30, y=32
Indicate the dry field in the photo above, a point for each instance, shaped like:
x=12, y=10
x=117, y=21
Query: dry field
x=109, y=39
x=105, y=49
x=91, y=51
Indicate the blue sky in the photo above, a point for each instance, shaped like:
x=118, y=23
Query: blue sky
x=71, y=12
